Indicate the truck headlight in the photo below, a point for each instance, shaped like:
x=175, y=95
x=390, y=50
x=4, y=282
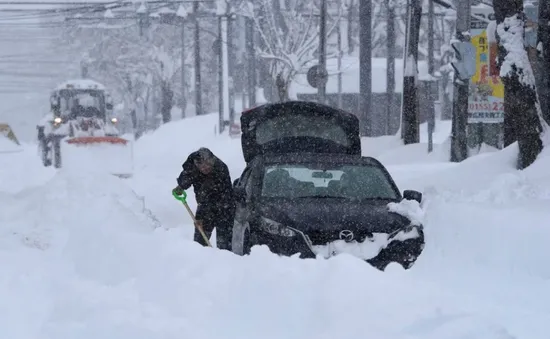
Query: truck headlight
x=275, y=228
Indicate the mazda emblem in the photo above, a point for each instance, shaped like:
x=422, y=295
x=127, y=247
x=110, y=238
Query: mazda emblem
x=346, y=235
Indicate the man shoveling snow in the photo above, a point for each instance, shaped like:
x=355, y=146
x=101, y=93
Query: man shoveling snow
x=211, y=182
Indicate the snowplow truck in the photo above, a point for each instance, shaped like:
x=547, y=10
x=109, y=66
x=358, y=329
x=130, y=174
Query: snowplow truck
x=80, y=129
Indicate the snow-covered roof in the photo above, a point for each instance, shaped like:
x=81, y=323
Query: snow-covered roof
x=81, y=84
x=350, y=76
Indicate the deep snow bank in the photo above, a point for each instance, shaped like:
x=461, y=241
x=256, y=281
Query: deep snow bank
x=486, y=215
x=8, y=146
x=70, y=202
x=82, y=258
x=22, y=169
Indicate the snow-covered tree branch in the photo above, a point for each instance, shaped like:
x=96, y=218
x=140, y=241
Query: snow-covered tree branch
x=289, y=37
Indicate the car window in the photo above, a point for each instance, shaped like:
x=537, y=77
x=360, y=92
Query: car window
x=349, y=181
x=300, y=126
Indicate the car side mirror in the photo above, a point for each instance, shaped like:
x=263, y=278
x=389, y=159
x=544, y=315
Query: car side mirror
x=412, y=195
x=239, y=193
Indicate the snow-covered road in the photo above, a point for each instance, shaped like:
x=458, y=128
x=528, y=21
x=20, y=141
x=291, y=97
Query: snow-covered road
x=81, y=257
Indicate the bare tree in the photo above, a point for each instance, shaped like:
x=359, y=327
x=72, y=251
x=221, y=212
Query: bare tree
x=289, y=38
x=522, y=114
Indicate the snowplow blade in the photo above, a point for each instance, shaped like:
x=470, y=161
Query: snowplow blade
x=109, y=154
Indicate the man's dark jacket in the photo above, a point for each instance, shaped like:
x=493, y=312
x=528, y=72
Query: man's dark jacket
x=213, y=192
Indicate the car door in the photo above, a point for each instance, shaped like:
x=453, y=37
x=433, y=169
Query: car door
x=242, y=211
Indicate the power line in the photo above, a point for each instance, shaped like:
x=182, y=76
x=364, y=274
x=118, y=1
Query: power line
x=72, y=3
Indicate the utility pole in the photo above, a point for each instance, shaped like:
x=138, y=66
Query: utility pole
x=410, y=123
x=223, y=70
x=321, y=90
x=251, y=58
x=459, y=147
x=390, y=62
x=543, y=37
x=340, y=52
x=83, y=69
x=182, y=14
x=220, y=78
x=431, y=70
x=224, y=39
x=365, y=62
x=143, y=17
x=198, y=85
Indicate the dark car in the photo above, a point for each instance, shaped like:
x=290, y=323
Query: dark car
x=306, y=189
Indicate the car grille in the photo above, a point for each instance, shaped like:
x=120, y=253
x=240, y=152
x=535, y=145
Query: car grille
x=321, y=237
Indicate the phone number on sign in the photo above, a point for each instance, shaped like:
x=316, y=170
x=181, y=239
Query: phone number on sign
x=486, y=106
x=485, y=116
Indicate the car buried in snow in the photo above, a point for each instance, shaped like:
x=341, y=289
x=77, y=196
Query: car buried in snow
x=306, y=189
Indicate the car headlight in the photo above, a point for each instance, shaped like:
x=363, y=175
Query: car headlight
x=114, y=120
x=275, y=228
x=57, y=120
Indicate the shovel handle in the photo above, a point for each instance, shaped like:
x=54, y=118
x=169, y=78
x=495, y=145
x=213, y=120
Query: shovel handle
x=183, y=198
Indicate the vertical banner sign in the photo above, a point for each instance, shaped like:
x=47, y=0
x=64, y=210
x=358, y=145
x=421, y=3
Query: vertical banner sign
x=486, y=94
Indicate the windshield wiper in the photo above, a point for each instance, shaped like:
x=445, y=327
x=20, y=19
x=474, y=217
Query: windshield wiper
x=322, y=196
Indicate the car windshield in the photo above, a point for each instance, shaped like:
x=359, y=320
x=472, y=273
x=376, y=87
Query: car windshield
x=81, y=103
x=325, y=181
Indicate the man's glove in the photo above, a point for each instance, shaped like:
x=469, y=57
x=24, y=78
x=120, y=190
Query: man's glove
x=178, y=191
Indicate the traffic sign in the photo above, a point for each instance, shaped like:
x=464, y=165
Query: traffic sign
x=317, y=76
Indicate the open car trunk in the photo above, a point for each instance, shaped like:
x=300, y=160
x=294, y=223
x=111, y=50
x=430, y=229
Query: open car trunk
x=298, y=126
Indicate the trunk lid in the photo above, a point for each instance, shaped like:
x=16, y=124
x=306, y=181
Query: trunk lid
x=298, y=126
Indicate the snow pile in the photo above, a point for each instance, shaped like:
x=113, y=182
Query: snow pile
x=484, y=178
x=468, y=177
x=410, y=209
x=485, y=215
x=71, y=201
x=365, y=250
x=8, y=146
x=82, y=257
x=94, y=265
x=372, y=246
x=22, y=169
x=101, y=158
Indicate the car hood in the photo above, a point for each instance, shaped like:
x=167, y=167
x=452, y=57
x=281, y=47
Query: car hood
x=334, y=215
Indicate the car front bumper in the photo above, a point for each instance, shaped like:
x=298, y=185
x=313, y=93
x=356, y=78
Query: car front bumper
x=403, y=246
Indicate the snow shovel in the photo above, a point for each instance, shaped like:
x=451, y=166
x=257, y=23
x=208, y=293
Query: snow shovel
x=183, y=200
